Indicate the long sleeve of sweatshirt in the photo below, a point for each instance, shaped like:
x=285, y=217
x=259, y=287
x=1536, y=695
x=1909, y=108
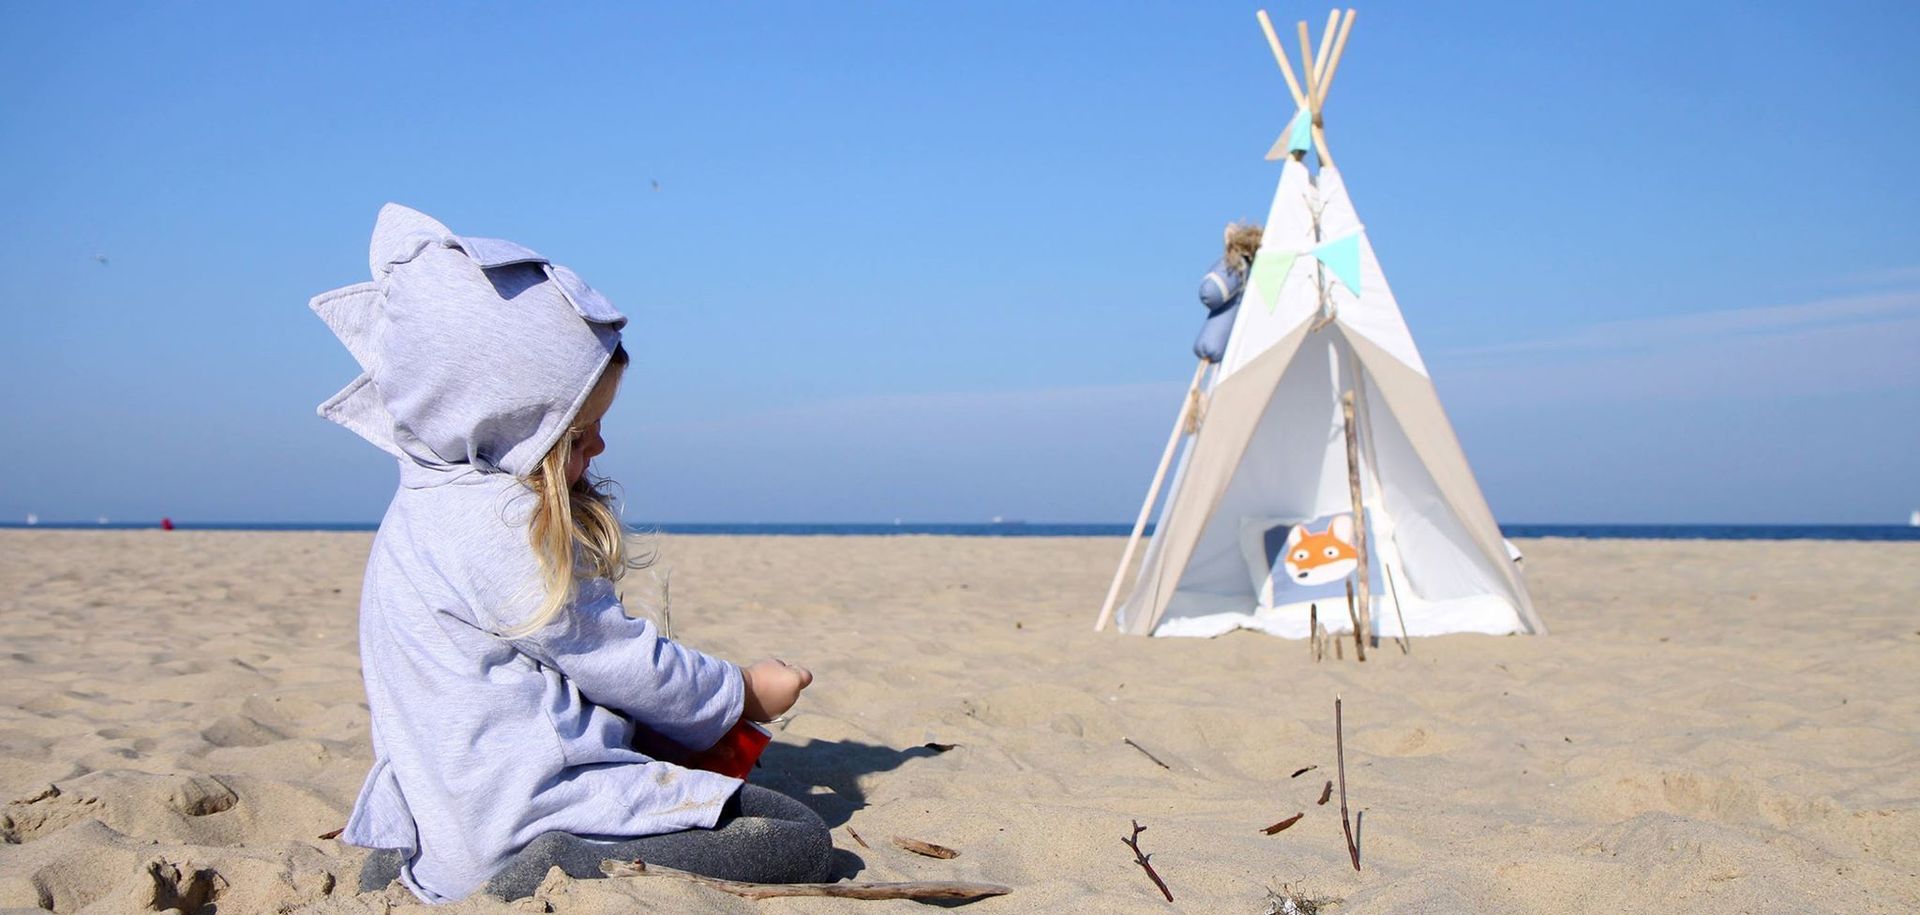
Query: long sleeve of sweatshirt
x=624, y=664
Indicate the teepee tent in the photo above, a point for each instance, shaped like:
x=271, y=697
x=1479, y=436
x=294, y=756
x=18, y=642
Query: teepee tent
x=1319, y=429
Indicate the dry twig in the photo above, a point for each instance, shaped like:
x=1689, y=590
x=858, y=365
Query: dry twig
x=925, y=848
x=1340, y=751
x=920, y=889
x=1359, y=640
x=1363, y=628
x=1302, y=771
x=1143, y=751
x=863, y=842
x=1283, y=824
x=1313, y=631
x=1325, y=793
x=1406, y=642
x=665, y=577
x=1145, y=860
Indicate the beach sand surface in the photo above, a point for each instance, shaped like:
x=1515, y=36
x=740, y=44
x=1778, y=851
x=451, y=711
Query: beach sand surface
x=1711, y=727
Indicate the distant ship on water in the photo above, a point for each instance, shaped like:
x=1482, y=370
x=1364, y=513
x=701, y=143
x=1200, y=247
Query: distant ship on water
x=35, y=519
x=1913, y=520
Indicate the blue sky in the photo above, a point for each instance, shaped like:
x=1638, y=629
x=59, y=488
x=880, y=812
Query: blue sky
x=938, y=262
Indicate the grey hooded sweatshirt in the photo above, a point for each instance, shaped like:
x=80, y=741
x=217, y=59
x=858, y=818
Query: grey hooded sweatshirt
x=477, y=354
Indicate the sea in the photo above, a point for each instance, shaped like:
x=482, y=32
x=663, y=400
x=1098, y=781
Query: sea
x=1873, y=532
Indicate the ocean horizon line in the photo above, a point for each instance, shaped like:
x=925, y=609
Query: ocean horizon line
x=1017, y=528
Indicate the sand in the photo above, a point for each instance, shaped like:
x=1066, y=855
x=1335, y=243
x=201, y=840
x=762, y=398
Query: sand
x=1712, y=727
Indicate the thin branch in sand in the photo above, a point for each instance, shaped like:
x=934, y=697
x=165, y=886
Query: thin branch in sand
x=1340, y=751
x=1145, y=860
x=1289, y=821
x=1325, y=793
x=1143, y=752
x=665, y=577
x=1359, y=640
x=335, y=834
x=1302, y=771
x=925, y=848
x=1313, y=630
x=1406, y=642
x=863, y=842
x=922, y=889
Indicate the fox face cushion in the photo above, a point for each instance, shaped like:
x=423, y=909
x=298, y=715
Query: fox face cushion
x=1301, y=562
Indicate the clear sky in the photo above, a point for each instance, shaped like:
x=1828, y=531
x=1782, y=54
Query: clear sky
x=938, y=262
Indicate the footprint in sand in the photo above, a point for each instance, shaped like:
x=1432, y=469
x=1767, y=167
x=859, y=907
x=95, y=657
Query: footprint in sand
x=1403, y=742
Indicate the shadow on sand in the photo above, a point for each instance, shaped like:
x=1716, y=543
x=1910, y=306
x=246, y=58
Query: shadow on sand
x=836, y=765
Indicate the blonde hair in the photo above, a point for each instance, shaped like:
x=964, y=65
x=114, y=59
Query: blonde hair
x=1242, y=241
x=575, y=529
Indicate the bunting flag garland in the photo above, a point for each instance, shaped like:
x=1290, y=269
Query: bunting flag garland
x=1300, y=132
x=1342, y=256
x=1270, y=267
x=1269, y=272
x=1297, y=138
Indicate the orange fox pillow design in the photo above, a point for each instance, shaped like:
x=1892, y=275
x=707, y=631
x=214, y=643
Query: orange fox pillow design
x=1324, y=557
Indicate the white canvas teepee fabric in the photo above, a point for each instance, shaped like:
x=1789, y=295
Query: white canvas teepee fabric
x=1319, y=320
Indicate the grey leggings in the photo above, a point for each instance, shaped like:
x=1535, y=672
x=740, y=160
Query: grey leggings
x=762, y=837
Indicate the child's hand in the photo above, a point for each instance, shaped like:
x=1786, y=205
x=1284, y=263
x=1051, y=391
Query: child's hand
x=773, y=686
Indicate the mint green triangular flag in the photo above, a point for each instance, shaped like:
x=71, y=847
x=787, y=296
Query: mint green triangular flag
x=1300, y=133
x=1342, y=256
x=1270, y=269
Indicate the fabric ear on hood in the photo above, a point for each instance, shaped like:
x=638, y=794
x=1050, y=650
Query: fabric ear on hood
x=476, y=352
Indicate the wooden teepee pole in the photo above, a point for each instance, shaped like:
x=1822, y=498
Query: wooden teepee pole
x=1321, y=57
x=1359, y=513
x=1306, y=63
x=1187, y=405
x=1280, y=57
x=1333, y=65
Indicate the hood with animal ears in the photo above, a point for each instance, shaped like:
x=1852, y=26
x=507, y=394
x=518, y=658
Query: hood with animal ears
x=475, y=352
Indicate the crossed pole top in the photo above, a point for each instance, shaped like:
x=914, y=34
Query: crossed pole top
x=1311, y=98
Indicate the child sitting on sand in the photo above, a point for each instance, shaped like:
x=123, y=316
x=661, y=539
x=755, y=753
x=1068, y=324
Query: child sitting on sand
x=506, y=684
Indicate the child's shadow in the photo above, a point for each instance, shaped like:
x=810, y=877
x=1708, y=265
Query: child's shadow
x=832, y=764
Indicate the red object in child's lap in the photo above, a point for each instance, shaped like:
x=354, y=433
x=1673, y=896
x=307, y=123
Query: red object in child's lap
x=736, y=753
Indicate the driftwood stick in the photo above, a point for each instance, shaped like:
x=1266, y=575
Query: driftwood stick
x=919, y=889
x=925, y=848
x=863, y=842
x=1143, y=752
x=1359, y=509
x=1145, y=860
x=1406, y=642
x=666, y=602
x=1313, y=631
x=1359, y=642
x=1325, y=793
x=1340, y=751
x=1283, y=824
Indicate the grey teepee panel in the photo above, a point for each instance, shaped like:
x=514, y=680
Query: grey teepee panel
x=1413, y=400
x=1233, y=409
